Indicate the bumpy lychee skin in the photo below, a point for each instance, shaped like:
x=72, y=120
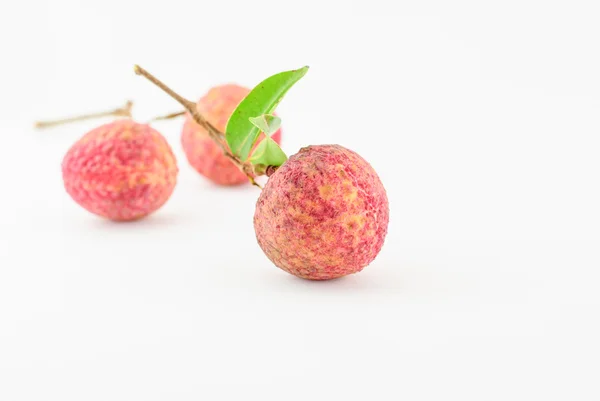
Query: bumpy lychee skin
x=122, y=170
x=323, y=214
x=202, y=153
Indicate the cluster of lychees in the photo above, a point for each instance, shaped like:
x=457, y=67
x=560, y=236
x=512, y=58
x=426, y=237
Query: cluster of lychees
x=322, y=214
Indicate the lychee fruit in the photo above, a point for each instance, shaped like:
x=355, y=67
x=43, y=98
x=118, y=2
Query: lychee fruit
x=122, y=170
x=323, y=214
x=200, y=149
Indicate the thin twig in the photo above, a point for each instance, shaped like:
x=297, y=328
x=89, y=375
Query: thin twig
x=168, y=116
x=217, y=136
x=124, y=111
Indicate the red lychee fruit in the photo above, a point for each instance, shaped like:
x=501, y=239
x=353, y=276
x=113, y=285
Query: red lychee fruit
x=323, y=214
x=121, y=170
x=201, y=151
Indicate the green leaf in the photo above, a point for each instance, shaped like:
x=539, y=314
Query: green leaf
x=267, y=123
x=241, y=133
x=268, y=153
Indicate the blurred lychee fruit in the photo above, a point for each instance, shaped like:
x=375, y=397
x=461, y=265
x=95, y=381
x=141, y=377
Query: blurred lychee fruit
x=122, y=170
x=323, y=214
x=201, y=151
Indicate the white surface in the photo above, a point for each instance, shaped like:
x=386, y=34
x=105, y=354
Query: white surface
x=482, y=121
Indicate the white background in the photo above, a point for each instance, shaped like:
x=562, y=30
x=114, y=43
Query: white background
x=481, y=118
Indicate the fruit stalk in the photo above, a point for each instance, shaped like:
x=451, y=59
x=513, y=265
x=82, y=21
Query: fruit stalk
x=124, y=111
x=214, y=133
x=168, y=116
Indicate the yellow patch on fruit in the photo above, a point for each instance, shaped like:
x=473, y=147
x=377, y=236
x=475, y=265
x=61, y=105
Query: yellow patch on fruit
x=326, y=191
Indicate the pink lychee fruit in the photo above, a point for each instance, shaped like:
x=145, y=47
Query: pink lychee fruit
x=323, y=214
x=121, y=170
x=202, y=153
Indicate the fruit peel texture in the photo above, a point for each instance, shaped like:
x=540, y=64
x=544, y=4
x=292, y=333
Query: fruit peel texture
x=121, y=170
x=205, y=156
x=323, y=214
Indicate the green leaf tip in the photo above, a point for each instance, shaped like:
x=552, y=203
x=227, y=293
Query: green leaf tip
x=267, y=123
x=268, y=153
x=242, y=130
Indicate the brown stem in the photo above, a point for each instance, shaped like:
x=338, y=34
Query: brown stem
x=124, y=111
x=217, y=136
x=168, y=116
x=270, y=170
